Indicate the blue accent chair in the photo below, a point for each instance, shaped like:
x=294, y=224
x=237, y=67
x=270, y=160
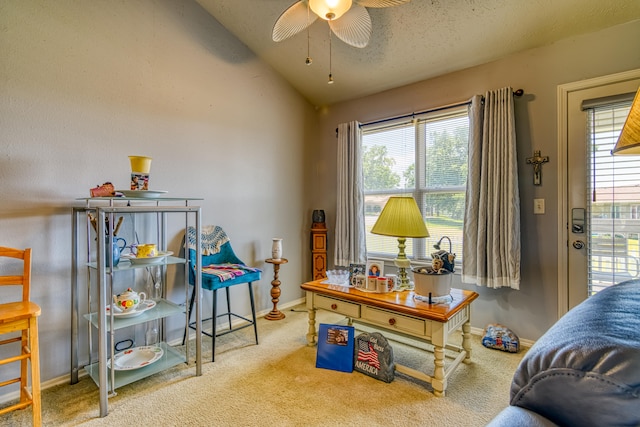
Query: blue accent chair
x=212, y=283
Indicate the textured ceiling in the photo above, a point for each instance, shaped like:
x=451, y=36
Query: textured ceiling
x=412, y=42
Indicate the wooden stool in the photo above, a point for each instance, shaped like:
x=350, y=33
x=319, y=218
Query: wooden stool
x=22, y=316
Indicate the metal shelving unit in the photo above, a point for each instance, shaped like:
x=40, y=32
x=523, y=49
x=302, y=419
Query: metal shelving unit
x=90, y=303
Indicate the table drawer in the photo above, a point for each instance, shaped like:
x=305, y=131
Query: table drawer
x=336, y=305
x=391, y=320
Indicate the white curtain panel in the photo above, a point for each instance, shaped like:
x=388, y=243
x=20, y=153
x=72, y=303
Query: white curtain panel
x=350, y=243
x=491, y=252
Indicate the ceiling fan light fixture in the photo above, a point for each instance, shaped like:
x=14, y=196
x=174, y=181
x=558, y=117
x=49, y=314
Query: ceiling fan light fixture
x=330, y=9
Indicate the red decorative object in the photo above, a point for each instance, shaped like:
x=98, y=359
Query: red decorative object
x=105, y=190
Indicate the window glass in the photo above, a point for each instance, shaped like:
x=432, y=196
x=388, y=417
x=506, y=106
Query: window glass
x=424, y=157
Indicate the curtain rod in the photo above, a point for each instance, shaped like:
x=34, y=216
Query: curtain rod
x=518, y=93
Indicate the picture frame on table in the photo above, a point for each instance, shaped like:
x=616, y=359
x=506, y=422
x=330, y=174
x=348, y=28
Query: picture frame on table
x=375, y=268
x=356, y=270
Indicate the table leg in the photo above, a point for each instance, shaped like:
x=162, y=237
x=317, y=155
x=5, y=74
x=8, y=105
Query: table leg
x=312, y=334
x=439, y=341
x=439, y=382
x=466, y=341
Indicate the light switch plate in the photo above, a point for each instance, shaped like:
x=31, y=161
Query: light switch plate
x=538, y=206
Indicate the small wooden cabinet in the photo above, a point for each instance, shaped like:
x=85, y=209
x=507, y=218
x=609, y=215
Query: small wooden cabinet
x=318, y=250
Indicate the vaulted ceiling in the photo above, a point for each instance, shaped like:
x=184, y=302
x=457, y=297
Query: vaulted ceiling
x=414, y=41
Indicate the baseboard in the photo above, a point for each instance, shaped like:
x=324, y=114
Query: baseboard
x=15, y=396
x=283, y=307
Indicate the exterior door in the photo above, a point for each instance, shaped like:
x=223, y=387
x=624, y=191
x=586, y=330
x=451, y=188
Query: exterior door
x=595, y=235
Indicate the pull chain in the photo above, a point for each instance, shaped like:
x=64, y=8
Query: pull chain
x=308, y=61
x=330, y=55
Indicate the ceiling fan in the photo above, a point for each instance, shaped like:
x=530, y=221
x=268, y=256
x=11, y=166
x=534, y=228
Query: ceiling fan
x=349, y=20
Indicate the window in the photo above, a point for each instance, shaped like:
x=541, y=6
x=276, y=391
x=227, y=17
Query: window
x=614, y=188
x=425, y=157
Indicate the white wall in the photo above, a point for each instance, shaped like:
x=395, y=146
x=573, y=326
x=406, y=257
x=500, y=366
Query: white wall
x=532, y=309
x=84, y=84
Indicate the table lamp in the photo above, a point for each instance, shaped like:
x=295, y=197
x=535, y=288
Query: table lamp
x=401, y=218
x=629, y=140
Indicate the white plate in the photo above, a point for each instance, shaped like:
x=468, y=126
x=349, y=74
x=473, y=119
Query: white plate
x=143, y=194
x=148, y=260
x=141, y=308
x=135, y=358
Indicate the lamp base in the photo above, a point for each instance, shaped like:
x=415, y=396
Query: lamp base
x=403, y=278
x=402, y=262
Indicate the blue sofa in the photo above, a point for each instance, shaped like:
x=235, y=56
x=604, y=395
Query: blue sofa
x=585, y=370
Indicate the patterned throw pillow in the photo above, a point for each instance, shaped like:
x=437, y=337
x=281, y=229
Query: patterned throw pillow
x=501, y=338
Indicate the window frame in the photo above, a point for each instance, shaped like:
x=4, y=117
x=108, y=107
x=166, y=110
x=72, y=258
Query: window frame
x=420, y=252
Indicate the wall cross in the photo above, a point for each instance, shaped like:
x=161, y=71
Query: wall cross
x=537, y=160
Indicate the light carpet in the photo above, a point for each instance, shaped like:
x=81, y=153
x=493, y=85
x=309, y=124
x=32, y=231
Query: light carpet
x=276, y=383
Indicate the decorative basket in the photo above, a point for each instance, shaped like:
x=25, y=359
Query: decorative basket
x=429, y=281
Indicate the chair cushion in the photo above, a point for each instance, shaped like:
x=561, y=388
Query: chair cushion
x=225, y=257
x=218, y=276
x=585, y=370
x=227, y=271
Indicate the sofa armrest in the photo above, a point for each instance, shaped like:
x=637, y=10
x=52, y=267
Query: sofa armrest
x=585, y=370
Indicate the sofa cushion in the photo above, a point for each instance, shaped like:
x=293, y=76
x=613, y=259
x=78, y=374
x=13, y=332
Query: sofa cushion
x=585, y=370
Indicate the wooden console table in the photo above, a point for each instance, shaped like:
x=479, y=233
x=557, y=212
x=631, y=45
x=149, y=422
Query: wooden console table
x=403, y=315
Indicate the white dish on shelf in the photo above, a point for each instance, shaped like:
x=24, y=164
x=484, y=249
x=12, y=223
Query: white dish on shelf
x=135, y=358
x=143, y=194
x=145, y=305
x=148, y=260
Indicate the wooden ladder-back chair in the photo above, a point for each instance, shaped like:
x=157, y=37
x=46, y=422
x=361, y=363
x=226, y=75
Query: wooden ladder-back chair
x=21, y=316
x=221, y=269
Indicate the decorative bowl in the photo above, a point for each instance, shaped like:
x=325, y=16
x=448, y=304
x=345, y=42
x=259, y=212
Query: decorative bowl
x=429, y=281
x=337, y=277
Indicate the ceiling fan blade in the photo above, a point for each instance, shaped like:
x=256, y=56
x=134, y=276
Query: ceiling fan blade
x=381, y=3
x=293, y=20
x=354, y=27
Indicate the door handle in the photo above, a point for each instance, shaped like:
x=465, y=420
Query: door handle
x=577, y=220
x=578, y=244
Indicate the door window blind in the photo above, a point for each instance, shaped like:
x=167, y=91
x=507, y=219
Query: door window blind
x=613, y=208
